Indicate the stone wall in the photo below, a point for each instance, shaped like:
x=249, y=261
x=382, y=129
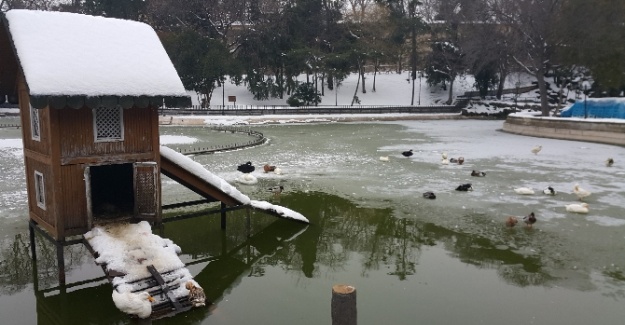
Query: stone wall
x=567, y=129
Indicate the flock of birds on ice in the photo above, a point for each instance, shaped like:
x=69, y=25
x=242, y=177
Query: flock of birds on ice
x=511, y=221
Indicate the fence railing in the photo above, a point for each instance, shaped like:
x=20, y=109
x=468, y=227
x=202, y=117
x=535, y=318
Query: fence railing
x=308, y=110
x=258, y=139
x=17, y=126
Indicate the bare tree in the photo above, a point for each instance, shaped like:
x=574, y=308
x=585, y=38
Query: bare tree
x=535, y=34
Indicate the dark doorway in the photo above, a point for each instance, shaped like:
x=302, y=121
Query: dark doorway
x=112, y=194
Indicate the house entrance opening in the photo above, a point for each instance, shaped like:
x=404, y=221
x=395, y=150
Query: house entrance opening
x=112, y=194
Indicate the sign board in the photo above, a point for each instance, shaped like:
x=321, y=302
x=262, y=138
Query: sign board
x=232, y=99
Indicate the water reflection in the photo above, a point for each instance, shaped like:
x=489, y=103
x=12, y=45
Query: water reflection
x=340, y=233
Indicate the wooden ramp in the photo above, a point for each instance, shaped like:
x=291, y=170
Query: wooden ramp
x=161, y=286
x=196, y=184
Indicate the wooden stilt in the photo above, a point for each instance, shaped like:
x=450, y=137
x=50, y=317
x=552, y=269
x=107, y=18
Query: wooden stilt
x=223, y=215
x=60, y=260
x=344, y=305
x=33, y=249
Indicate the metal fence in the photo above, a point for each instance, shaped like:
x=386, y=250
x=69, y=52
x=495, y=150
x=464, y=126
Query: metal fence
x=258, y=139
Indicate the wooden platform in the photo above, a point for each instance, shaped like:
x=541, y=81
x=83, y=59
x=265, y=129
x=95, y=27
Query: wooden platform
x=158, y=285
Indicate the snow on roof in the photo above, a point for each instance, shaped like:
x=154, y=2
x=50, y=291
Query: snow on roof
x=198, y=170
x=74, y=54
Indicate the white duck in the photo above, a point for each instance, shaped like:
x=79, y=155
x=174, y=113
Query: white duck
x=444, y=159
x=537, y=149
x=248, y=179
x=384, y=158
x=577, y=208
x=524, y=190
x=139, y=304
x=580, y=192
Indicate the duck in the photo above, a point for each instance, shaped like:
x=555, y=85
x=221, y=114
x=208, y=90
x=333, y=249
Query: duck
x=537, y=149
x=276, y=189
x=529, y=220
x=246, y=168
x=247, y=179
x=196, y=294
x=278, y=171
x=453, y=160
x=384, y=158
x=444, y=161
x=609, y=162
x=524, y=190
x=549, y=191
x=577, y=208
x=407, y=153
x=132, y=303
x=460, y=160
x=269, y=168
x=511, y=221
x=444, y=155
x=580, y=192
x=464, y=187
x=478, y=173
x=429, y=195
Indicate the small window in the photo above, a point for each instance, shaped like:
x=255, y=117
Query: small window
x=108, y=124
x=40, y=190
x=34, y=124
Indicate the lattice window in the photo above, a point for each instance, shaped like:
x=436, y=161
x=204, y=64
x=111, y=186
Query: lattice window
x=35, y=131
x=108, y=123
x=40, y=190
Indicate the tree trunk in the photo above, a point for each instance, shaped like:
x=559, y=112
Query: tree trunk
x=450, y=99
x=376, y=63
x=362, y=74
x=356, y=90
x=542, y=88
x=502, y=82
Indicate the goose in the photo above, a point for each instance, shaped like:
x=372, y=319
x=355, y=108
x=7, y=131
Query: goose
x=478, y=173
x=550, y=191
x=196, y=294
x=511, y=221
x=268, y=168
x=246, y=168
x=464, y=187
x=537, y=149
x=577, y=208
x=139, y=304
x=580, y=192
x=407, y=153
x=529, y=220
x=429, y=195
x=609, y=162
x=384, y=158
x=276, y=189
x=524, y=190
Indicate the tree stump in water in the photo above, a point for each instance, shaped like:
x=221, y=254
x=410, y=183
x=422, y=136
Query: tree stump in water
x=344, y=305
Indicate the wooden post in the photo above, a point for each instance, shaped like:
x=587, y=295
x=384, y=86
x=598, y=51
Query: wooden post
x=223, y=215
x=60, y=259
x=344, y=305
x=31, y=233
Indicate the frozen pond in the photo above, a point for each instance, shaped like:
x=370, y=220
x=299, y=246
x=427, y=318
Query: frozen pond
x=412, y=260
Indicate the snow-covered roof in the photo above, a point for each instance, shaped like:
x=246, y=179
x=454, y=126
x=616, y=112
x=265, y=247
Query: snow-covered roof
x=67, y=54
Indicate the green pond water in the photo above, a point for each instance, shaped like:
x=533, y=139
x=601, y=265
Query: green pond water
x=412, y=260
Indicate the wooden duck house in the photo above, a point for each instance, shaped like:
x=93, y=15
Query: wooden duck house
x=89, y=89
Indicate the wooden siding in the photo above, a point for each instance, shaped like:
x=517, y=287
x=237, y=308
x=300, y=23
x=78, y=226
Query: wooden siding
x=77, y=135
x=46, y=215
x=72, y=204
x=43, y=145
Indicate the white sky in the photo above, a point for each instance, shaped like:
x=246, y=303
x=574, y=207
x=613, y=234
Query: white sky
x=72, y=54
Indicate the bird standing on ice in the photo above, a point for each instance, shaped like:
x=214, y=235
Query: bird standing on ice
x=139, y=304
x=407, y=153
x=580, y=192
x=524, y=191
x=511, y=221
x=444, y=159
x=609, y=162
x=537, y=149
x=550, y=191
x=577, y=208
x=196, y=294
x=529, y=220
